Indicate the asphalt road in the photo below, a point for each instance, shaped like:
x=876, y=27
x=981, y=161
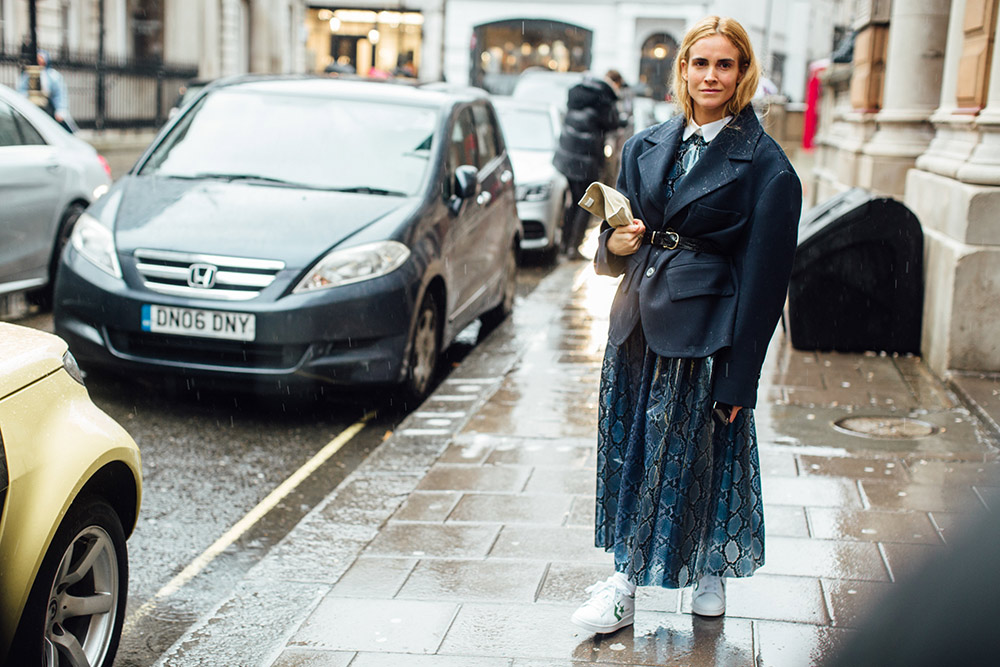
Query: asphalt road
x=226, y=477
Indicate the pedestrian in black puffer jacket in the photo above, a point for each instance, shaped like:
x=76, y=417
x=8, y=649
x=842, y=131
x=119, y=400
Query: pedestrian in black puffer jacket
x=591, y=114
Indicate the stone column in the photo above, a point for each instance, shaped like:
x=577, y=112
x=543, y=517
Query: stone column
x=917, y=38
x=983, y=166
x=955, y=137
x=432, y=42
x=954, y=194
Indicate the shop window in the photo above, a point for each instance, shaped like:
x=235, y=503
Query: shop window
x=656, y=64
x=374, y=43
x=503, y=49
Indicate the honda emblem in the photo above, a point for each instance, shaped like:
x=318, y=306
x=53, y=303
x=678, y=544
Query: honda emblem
x=202, y=276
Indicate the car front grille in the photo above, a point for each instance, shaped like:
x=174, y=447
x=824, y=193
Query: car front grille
x=206, y=351
x=205, y=276
x=533, y=229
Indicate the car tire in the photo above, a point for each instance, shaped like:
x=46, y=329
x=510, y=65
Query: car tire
x=43, y=297
x=424, y=351
x=91, y=528
x=493, y=318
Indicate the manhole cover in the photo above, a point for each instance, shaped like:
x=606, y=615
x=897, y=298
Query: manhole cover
x=885, y=428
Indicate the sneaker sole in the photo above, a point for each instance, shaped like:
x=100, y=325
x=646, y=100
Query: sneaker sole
x=710, y=611
x=603, y=629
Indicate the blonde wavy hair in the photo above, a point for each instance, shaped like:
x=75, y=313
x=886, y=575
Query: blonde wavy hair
x=750, y=71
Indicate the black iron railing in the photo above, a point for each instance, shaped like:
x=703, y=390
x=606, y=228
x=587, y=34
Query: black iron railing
x=112, y=93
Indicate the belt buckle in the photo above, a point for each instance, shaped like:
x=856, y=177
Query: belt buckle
x=674, y=237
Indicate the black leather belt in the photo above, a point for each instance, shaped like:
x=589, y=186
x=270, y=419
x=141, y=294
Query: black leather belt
x=670, y=240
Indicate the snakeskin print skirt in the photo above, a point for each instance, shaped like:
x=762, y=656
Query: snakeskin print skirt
x=676, y=497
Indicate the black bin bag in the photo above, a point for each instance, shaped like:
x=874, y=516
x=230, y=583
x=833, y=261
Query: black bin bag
x=857, y=280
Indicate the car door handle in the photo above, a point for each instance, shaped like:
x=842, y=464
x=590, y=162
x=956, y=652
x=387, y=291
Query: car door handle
x=484, y=198
x=506, y=176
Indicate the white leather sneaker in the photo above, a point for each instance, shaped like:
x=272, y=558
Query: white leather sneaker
x=708, y=598
x=609, y=608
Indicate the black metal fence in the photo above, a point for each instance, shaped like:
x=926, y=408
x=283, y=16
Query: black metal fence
x=114, y=93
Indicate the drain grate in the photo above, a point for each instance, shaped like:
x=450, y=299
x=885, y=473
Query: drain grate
x=885, y=428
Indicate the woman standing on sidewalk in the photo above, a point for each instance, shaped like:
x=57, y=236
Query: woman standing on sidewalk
x=706, y=267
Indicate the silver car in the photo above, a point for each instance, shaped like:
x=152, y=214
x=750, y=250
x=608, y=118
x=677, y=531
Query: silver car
x=47, y=178
x=531, y=130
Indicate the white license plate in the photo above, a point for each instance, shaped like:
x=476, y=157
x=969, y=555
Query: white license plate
x=195, y=322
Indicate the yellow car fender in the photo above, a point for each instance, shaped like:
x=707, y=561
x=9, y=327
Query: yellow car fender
x=56, y=441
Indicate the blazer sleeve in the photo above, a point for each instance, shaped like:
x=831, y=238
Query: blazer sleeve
x=763, y=268
x=607, y=263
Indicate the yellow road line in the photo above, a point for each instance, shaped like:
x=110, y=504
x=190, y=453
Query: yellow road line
x=272, y=499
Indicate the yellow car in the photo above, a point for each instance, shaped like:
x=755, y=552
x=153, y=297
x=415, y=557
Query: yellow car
x=70, y=488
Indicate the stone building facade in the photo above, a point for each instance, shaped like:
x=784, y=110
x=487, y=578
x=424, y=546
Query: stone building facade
x=916, y=116
x=220, y=37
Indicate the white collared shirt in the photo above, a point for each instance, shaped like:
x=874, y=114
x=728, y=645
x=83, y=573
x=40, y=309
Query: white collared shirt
x=708, y=131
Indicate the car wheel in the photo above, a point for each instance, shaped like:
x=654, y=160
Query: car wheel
x=44, y=296
x=76, y=608
x=424, y=350
x=494, y=317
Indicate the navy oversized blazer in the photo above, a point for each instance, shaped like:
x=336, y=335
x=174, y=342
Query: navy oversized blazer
x=744, y=196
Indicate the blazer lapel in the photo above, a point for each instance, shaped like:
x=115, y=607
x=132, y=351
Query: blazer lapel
x=653, y=165
x=714, y=169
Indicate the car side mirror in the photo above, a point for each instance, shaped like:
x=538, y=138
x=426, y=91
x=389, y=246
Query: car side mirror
x=466, y=180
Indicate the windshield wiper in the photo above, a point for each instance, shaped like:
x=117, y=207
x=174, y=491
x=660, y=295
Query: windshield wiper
x=249, y=177
x=368, y=190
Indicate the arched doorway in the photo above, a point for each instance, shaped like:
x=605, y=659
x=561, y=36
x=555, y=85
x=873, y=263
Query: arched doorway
x=656, y=64
x=503, y=49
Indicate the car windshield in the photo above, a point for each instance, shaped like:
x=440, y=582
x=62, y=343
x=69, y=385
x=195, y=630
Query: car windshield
x=527, y=129
x=302, y=141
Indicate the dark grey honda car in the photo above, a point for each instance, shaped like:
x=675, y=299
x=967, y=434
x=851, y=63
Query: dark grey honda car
x=291, y=230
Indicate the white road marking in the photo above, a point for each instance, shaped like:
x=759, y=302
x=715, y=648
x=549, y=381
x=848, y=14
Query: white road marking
x=238, y=529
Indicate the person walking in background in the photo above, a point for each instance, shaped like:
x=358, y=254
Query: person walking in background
x=706, y=265
x=53, y=90
x=591, y=112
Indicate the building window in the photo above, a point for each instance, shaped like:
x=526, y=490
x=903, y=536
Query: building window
x=374, y=43
x=502, y=50
x=656, y=64
x=147, y=29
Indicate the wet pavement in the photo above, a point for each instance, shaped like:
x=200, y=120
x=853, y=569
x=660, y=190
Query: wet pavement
x=465, y=539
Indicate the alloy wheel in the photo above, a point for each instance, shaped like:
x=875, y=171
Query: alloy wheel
x=82, y=606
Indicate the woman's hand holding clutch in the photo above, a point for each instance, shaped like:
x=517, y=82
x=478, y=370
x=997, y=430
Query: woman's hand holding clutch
x=625, y=240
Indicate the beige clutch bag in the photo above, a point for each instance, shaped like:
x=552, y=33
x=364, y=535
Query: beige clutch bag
x=607, y=204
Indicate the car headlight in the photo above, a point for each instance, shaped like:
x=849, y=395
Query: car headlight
x=96, y=244
x=352, y=265
x=72, y=368
x=533, y=191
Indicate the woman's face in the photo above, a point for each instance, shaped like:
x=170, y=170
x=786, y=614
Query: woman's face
x=712, y=71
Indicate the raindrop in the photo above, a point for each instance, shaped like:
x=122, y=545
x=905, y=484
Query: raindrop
x=868, y=531
x=851, y=591
x=418, y=553
x=617, y=647
x=869, y=469
x=902, y=494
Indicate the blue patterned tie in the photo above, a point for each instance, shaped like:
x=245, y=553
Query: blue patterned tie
x=693, y=153
x=688, y=154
